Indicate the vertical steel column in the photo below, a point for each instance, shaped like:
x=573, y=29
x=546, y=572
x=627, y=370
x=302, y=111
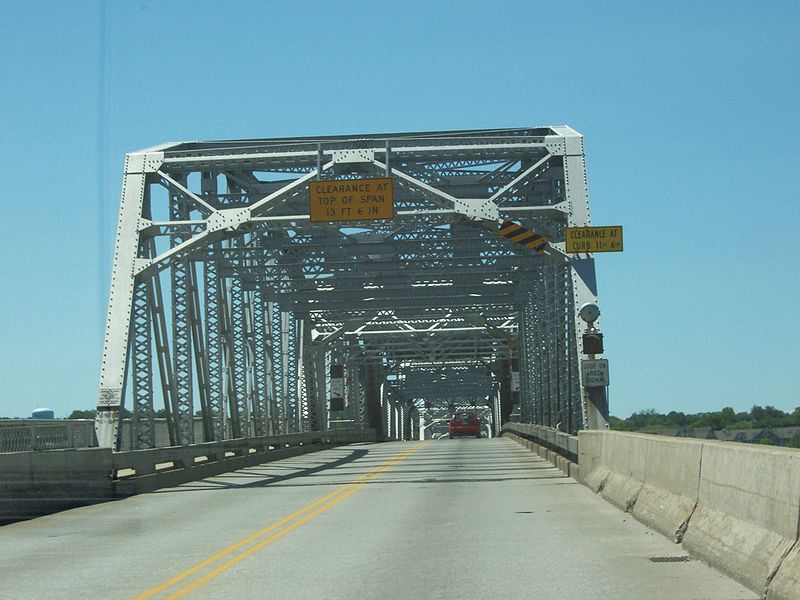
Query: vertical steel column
x=311, y=405
x=573, y=366
x=504, y=377
x=356, y=394
x=302, y=377
x=229, y=364
x=548, y=364
x=159, y=316
x=181, y=326
x=261, y=406
x=355, y=390
x=214, y=414
x=142, y=357
x=496, y=420
x=291, y=367
x=563, y=316
x=278, y=368
x=540, y=338
x=200, y=356
x=388, y=417
x=373, y=378
x=239, y=370
x=270, y=411
x=385, y=415
x=216, y=398
x=143, y=433
x=398, y=414
x=527, y=363
x=113, y=368
x=251, y=384
x=324, y=361
x=582, y=274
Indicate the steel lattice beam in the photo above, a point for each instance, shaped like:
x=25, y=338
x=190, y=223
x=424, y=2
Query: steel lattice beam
x=221, y=280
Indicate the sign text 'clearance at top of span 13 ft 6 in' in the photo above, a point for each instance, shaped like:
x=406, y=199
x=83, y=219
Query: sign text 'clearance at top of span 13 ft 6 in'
x=351, y=200
x=593, y=239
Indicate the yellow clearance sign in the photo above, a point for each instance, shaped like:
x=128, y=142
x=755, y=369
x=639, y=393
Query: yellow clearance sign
x=593, y=239
x=351, y=200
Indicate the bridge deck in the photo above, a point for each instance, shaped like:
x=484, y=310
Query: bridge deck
x=451, y=518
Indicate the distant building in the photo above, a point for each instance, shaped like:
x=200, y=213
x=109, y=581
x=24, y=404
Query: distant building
x=43, y=413
x=700, y=432
x=778, y=436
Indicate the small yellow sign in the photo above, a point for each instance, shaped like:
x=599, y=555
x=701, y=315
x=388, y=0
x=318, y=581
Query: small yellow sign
x=351, y=200
x=593, y=239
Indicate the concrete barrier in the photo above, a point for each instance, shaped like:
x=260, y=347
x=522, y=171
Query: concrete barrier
x=734, y=506
x=748, y=511
x=656, y=479
x=668, y=496
x=626, y=463
x=41, y=482
x=130, y=486
x=786, y=583
x=590, y=454
x=566, y=466
x=37, y=483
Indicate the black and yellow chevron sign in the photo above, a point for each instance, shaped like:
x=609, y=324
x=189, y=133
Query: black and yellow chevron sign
x=521, y=235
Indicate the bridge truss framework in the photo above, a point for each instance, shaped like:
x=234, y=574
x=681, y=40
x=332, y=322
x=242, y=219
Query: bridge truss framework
x=226, y=301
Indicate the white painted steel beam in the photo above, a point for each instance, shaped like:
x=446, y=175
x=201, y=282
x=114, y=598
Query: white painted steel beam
x=253, y=298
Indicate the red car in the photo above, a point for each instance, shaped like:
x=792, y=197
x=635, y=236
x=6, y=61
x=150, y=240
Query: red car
x=465, y=423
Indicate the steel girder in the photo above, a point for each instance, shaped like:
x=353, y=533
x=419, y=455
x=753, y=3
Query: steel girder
x=214, y=349
x=142, y=363
x=256, y=299
x=181, y=324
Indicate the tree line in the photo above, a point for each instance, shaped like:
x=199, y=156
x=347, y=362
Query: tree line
x=727, y=418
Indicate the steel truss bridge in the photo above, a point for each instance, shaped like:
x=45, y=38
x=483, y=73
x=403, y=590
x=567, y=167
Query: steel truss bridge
x=228, y=302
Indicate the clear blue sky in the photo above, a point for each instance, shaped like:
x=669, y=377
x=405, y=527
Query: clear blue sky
x=690, y=117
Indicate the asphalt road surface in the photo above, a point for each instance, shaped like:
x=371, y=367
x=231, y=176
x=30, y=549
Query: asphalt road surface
x=464, y=518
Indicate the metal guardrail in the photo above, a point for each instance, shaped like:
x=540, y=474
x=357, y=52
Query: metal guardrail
x=561, y=443
x=135, y=463
x=47, y=436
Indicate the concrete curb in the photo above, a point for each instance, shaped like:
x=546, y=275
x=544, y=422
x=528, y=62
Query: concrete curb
x=568, y=468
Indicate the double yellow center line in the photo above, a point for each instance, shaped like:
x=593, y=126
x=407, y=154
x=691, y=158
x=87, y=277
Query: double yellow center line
x=215, y=564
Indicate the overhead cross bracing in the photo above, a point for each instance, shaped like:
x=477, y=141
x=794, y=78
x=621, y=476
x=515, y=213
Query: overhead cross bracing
x=228, y=300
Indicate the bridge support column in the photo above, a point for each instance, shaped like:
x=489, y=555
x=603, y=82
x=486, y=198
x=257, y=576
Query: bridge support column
x=142, y=356
x=312, y=411
x=372, y=397
x=286, y=367
x=214, y=350
x=182, y=409
x=113, y=369
x=582, y=278
x=505, y=391
x=497, y=421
